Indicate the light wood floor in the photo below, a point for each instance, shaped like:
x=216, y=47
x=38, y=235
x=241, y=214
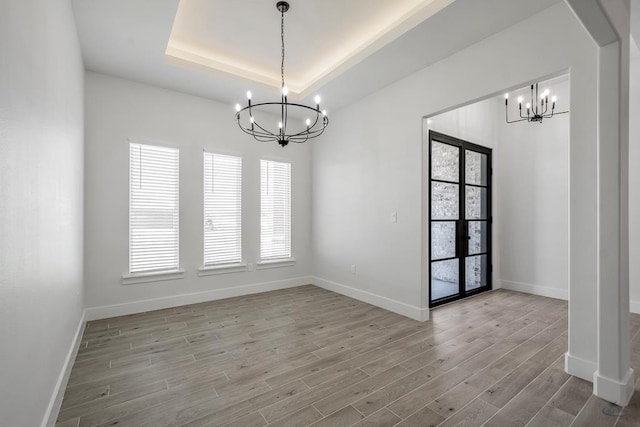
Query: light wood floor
x=307, y=356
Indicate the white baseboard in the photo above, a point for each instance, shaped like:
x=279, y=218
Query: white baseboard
x=579, y=367
x=141, y=306
x=544, y=291
x=411, y=311
x=618, y=392
x=53, y=409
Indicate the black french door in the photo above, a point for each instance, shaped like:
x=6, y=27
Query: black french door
x=459, y=219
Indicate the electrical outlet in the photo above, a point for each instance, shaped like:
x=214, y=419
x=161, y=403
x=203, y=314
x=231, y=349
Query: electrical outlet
x=353, y=269
x=250, y=266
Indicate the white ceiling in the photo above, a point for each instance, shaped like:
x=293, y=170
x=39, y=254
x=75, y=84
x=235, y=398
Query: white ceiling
x=322, y=38
x=343, y=49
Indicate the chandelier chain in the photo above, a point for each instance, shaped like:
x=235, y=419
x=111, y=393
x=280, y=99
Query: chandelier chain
x=282, y=44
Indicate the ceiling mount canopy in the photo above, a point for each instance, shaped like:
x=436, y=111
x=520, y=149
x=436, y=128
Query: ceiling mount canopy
x=289, y=129
x=535, y=111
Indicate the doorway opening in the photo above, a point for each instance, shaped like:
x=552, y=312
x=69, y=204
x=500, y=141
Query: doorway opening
x=527, y=203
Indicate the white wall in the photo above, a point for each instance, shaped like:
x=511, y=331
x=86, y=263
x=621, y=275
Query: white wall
x=534, y=199
x=41, y=180
x=370, y=162
x=634, y=180
x=117, y=110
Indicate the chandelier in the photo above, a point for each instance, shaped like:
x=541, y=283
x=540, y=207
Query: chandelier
x=288, y=128
x=537, y=108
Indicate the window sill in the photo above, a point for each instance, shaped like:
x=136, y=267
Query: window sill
x=222, y=269
x=157, y=276
x=276, y=263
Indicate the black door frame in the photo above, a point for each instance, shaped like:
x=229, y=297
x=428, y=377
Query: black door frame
x=462, y=237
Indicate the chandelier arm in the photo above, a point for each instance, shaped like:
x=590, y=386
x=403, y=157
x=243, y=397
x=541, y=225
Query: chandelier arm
x=319, y=132
x=555, y=114
x=315, y=131
x=255, y=123
x=265, y=131
x=254, y=133
x=265, y=139
x=299, y=140
x=309, y=129
x=521, y=116
x=257, y=137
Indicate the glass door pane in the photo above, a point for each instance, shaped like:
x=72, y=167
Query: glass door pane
x=445, y=279
x=445, y=162
x=477, y=237
x=476, y=202
x=445, y=201
x=475, y=168
x=443, y=240
x=475, y=272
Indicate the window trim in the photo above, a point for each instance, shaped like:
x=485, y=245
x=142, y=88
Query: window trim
x=155, y=276
x=275, y=263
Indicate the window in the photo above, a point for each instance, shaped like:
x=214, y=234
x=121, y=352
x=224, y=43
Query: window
x=153, y=209
x=275, y=210
x=222, y=209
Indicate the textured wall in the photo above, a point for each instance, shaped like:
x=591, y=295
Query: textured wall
x=41, y=182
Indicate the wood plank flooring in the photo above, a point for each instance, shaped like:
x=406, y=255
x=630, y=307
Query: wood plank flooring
x=307, y=356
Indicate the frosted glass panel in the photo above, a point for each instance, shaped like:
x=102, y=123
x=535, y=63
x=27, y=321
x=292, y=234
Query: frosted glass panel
x=445, y=161
x=475, y=272
x=444, y=279
x=475, y=168
x=476, y=203
x=443, y=240
x=444, y=201
x=477, y=237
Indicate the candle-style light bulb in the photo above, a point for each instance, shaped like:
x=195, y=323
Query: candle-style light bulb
x=238, y=107
x=528, y=105
x=280, y=125
x=520, y=99
x=324, y=112
x=252, y=120
x=506, y=96
x=248, y=94
x=317, y=99
x=554, y=99
x=308, y=122
x=285, y=91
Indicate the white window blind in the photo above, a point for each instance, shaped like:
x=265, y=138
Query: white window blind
x=275, y=210
x=222, y=209
x=153, y=209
